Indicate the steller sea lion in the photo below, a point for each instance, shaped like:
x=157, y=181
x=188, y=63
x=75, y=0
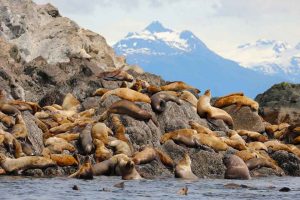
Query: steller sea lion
x=239, y=100
x=61, y=160
x=127, y=94
x=201, y=129
x=85, y=171
x=128, y=108
x=101, y=132
x=18, y=149
x=178, y=86
x=183, y=168
x=101, y=152
x=236, y=144
x=253, y=135
x=204, y=109
x=27, y=149
x=70, y=103
x=165, y=158
x=68, y=136
x=58, y=145
x=276, y=145
x=116, y=75
x=19, y=130
x=257, y=146
x=6, y=120
x=22, y=163
x=145, y=156
x=257, y=163
x=121, y=147
x=128, y=171
x=159, y=100
x=236, y=168
x=63, y=128
x=189, y=97
x=100, y=91
x=246, y=154
x=9, y=109
x=86, y=140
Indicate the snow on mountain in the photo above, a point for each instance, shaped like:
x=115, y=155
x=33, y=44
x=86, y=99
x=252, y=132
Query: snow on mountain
x=270, y=57
x=183, y=56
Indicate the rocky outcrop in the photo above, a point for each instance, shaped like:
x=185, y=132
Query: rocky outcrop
x=280, y=103
x=288, y=162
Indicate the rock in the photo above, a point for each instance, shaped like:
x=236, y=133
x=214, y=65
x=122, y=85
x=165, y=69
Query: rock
x=35, y=135
x=288, y=162
x=51, y=10
x=280, y=103
x=33, y=172
x=54, y=171
x=154, y=169
x=263, y=172
x=245, y=119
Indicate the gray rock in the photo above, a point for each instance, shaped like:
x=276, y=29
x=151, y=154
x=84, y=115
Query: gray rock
x=289, y=162
x=154, y=169
x=245, y=118
x=35, y=135
x=33, y=172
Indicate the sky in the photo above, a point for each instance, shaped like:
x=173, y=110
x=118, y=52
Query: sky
x=221, y=24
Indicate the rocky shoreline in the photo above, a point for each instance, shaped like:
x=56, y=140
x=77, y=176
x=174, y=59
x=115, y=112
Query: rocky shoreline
x=39, y=68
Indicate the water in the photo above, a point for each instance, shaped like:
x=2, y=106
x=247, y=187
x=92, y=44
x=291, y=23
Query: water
x=103, y=188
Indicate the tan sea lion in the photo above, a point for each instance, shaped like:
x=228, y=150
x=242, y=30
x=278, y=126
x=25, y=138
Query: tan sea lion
x=128, y=171
x=70, y=103
x=159, y=100
x=85, y=171
x=236, y=144
x=100, y=91
x=25, y=105
x=246, y=154
x=178, y=86
x=86, y=114
x=152, y=89
x=86, y=140
x=140, y=85
x=8, y=140
x=257, y=163
x=18, y=149
x=127, y=94
x=204, y=109
x=6, y=120
x=121, y=147
x=68, y=136
x=128, y=108
x=276, y=145
x=165, y=158
x=19, y=130
x=145, y=156
x=238, y=100
x=58, y=145
x=253, y=135
x=257, y=146
x=63, y=128
x=189, y=97
x=116, y=75
x=22, y=163
x=183, y=168
x=101, y=132
x=233, y=135
x=236, y=168
x=9, y=109
x=201, y=129
x=101, y=152
x=120, y=131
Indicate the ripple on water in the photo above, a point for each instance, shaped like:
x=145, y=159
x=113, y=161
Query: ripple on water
x=103, y=188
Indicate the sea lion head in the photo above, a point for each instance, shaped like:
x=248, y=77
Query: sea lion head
x=207, y=93
x=2, y=158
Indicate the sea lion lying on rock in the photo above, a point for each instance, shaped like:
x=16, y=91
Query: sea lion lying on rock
x=159, y=100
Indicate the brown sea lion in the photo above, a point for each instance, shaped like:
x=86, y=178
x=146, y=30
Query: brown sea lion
x=145, y=156
x=116, y=75
x=25, y=105
x=70, y=103
x=9, y=109
x=204, y=109
x=68, y=136
x=252, y=135
x=86, y=140
x=58, y=145
x=19, y=130
x=183, y=168
x=178, y=86
x=18, y=149
x=238, y=100
x=121, y=147
x=236, y=168
x=201, y=129
x=27, y=149
x=85, y=171
x=233, y=135
x=128, y=108
x=140, y=85
x=61, y=160
x=100, y=91
x=63, y=128
x=22, y=163
x=127, y=94
x=101, y=152
x=101, y=132
x=8, y=140
x=165, y=159
x=6, y=120
x=159, y=100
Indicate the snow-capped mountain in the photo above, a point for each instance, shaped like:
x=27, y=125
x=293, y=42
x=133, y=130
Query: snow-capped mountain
x=270, y=57
x=182, y=56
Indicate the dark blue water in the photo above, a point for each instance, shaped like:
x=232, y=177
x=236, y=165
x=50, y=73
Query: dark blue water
x=103, y=188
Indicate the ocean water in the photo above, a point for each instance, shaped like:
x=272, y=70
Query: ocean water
x=103, y=188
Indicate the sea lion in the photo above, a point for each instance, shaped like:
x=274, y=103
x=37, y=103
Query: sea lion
x=276, y=145
x=140, y=85
x=236, y=144
x=201, y=129
x=18, y=149
x=257, y=146
x=178, y=86
x=189, y=97
x=85, y=171
x=253, y=135
x=204, y=109
x=159, y=100
x=63, y=128
x=86, y=140
x=120, y=147
x=116, y=75
x=70, y=103
x=58, y=145
x=120, y=131
x=86, y=114
x=129, y=108
x=62, y=160
x=233, y=135
x=100, y=91
x=19, y=130
x=296, y=140
x=127, y=94
x=238, y=100
x=246, y=154
x=128, y=171
x=8, y=140
x=9, y=109
x=145, y=156
x=101, y=132
x=165, y=158
x=257, y=163
x=24, y=105
x=6, y=120
x=101, y=152
x=68, y=136
x=22, y=163
x=183, y=168
x=27, y=149
x=236, y=168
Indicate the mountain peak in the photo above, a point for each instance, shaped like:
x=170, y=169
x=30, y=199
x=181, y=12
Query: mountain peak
x=157, y=27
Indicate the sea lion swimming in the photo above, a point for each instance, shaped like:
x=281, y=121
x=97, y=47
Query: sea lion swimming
x=238, y=99
x=236, y=168
x=159, y=100
x=204, y=109
x=183, y=169
x=128, y=108
x=22, y=163
x=127, y=94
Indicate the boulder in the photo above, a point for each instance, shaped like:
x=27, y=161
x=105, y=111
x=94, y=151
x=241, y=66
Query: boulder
x=289, y=162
